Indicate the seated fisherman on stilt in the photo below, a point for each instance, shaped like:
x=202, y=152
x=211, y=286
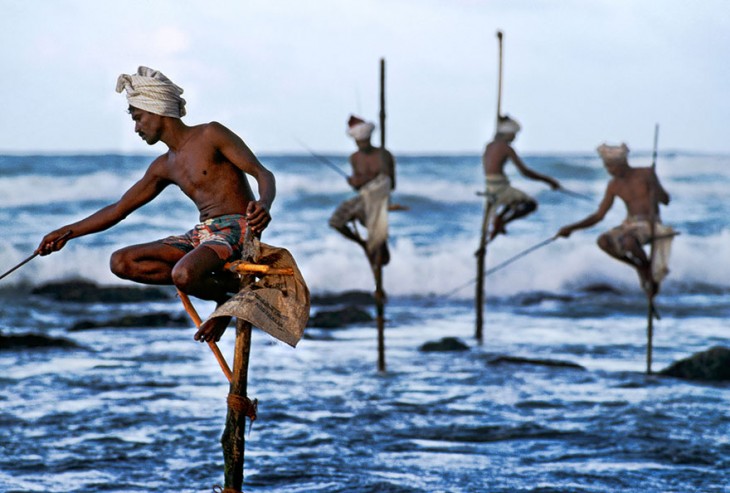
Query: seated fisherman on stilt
x=373, y=174
x=641, y=192
x=209, y=163
x=507, y=202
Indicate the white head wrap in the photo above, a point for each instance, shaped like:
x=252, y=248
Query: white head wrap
x=507, y=125
x=613, y=153
x=359, y=129
x=151, y=91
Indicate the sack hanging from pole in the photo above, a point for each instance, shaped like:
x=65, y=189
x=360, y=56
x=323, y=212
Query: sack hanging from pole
x=376, y=197
x=278, y=304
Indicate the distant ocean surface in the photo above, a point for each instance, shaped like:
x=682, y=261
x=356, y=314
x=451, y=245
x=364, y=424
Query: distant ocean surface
x=142, y=409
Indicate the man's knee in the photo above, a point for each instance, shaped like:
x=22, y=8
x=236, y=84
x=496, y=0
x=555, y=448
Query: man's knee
x=183, y=278
x=606, y=244
x=121, y=263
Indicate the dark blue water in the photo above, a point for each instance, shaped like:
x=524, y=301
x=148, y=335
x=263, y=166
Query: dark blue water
x=142, y=409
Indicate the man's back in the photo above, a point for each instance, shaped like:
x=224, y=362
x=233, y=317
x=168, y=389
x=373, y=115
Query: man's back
x=639, y=190
x=495, y=157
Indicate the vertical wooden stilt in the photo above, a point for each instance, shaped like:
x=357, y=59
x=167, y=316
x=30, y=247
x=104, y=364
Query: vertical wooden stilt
x=649, y=296
x=649, y=333
x=380, y=310
x=481, y=254
x=239, y=408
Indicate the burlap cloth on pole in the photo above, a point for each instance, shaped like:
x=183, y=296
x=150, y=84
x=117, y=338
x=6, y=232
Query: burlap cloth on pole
x=276, y=304
x=376, y=195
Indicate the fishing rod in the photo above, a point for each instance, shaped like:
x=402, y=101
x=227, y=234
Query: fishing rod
x=520, y=255
x=574, y=194
x=35, y=254
x=323, y=159
x=561, y=189
x=501, y=265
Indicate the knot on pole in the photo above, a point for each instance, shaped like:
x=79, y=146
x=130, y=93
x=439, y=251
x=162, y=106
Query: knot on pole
x=245, y=406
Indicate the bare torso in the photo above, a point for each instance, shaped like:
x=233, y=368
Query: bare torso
x=213, y=183
x=367, y=164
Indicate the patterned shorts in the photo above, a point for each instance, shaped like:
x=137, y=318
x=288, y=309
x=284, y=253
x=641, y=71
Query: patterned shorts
x=224, y=235
x=350, y=210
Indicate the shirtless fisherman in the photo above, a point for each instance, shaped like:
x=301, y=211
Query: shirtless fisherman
x=510, y=203
x=209, y=163
x=641, y=192
x=368, y=171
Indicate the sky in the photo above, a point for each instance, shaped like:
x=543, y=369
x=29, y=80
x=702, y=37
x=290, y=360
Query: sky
x=286, y=74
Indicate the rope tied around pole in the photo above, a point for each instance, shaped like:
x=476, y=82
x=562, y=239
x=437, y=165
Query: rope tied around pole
x=245, y=406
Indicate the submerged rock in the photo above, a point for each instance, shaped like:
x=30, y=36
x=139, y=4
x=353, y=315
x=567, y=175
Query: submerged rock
x=710, y=365
x=83, y=291
x=32, y=341
x=445, y=344
x=339, y=318
x=135, y=321
x=346, y=297
x=516, y=360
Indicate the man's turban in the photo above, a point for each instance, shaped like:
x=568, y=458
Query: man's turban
x=507, y=125
x=613, y=153
x=151, y=91
x=359, y=129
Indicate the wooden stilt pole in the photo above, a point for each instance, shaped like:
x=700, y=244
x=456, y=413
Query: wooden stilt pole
x=240, y=406
x=481, y=254
x=649, y=296
x=378, y=264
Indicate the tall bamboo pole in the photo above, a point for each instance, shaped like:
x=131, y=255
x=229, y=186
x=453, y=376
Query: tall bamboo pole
x=378, y=263
x=481, y=252
x=649, y=296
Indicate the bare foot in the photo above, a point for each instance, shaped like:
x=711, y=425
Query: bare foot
x=212, y=330
x=497, y=229
x=648, y=284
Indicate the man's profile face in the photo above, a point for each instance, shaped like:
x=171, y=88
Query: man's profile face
x=147, y=125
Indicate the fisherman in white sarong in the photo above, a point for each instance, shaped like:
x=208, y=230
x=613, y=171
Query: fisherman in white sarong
x=507, y=202
x=373, y=176
x=642, y=193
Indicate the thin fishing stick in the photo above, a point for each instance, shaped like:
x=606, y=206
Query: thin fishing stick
x=520, y=255
x=561, y=189
x=577, y=195
x=323, y=159
x=35, y=254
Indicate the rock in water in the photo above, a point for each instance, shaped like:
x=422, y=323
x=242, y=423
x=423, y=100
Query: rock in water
x=32, y=341
x=339, y=318
x=711, y=365
x=445, y=344
x=83, y=291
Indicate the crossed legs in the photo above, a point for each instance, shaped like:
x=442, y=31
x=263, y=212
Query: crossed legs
x=630, y=251
x=197, y=273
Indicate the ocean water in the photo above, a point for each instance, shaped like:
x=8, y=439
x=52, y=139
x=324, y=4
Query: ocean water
x=142, y=409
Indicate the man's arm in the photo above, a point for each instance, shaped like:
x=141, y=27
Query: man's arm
x=146, y=189
x=390, y=168
x=662, y=195
x=235, y=150
x=529, y=173
x=592, y=219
